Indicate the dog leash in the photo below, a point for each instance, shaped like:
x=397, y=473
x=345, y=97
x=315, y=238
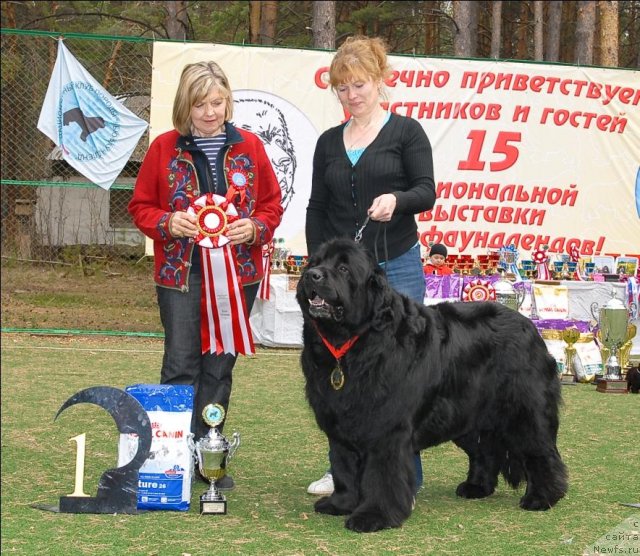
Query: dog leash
x=358, y=236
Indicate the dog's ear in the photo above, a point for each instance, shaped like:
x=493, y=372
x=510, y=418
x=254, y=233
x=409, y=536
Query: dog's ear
x=379, y=300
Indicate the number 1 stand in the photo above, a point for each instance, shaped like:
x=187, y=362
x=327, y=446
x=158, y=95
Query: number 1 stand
x=118, y=487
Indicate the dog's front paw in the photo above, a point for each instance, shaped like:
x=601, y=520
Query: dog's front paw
x=469, y=490
x=326, y=506
x=367, y=522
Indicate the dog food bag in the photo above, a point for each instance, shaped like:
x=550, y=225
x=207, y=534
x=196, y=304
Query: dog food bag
x=165, y=477
x=588, y=359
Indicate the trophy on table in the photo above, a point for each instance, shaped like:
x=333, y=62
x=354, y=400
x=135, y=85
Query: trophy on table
x=570, y=335
x=613, y=320
x=212, y=453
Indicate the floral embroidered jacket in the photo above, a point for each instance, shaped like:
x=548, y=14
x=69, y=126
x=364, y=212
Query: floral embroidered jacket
x=170, y=180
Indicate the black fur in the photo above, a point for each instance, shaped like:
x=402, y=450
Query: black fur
x=477, y=374
x=633, y=380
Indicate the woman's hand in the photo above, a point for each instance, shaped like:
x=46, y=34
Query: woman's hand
x=182, y=224
x=382, y=207
x=241, y=231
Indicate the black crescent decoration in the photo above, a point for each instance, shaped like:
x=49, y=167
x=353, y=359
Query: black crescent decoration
x=118, y=487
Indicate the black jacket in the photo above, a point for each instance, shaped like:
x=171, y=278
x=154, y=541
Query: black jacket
x=398, y=161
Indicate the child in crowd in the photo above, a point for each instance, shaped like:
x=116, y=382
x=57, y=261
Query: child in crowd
x=437, y=258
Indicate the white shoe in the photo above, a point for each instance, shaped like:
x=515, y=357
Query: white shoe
x=322, y=487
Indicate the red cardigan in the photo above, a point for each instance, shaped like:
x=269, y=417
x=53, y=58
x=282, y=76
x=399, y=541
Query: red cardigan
x=168, y=181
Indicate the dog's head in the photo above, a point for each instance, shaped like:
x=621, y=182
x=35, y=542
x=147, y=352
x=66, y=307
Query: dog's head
x=342, y=284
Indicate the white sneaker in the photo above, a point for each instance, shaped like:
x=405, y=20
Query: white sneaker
x=322, y=487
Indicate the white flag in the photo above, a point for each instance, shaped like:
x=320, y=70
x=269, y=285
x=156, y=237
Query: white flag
x=94, y=131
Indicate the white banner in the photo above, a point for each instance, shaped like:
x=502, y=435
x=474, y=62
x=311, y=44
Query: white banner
x=525, y=154
x=94, y=131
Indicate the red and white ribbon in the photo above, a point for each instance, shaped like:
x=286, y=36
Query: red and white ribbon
x=575, y=257
x=224, y=324
x=265, y=285
x=541, y=259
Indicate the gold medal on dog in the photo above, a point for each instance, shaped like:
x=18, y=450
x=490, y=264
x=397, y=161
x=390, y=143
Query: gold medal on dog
x=337, y=377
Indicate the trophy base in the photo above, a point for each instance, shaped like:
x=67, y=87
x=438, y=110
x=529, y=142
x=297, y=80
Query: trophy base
x=568, y=380
x=612, y=386
x=216, y=507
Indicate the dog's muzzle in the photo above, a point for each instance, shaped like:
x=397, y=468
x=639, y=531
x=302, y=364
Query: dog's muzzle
x=318, y=306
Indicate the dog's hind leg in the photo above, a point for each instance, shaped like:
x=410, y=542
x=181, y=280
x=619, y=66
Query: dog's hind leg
x=546, y=480
x=483, y=451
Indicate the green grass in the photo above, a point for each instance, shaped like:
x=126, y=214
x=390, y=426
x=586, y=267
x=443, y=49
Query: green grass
x=282, y=451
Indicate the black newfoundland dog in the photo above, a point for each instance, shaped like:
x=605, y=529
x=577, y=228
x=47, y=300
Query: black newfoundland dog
x=387, y=377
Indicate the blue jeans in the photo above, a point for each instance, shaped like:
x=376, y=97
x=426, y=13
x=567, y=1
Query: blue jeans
x=406, y=276
x=183, y=361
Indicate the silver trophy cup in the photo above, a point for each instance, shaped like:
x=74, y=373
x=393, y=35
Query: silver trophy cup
x=212, y=453
x=613, y=320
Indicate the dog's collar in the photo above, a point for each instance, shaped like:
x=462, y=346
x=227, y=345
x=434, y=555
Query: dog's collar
x=337, y=375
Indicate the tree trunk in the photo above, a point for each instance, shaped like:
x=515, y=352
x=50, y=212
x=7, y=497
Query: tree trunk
x=465, y=17
x=176, y=22
x=608, y=33
x=108, y=74
x=496, y=28
x=268, y=22
x=324, y=24
x=254, y=21
x=538, y=30
x=522, y=49
x=585, y=26
x=431, y=28
x=554, y=24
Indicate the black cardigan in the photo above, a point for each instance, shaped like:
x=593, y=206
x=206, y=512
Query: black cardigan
x=398, y=161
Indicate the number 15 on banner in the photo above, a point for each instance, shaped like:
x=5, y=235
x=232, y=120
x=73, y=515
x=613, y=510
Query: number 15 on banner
x=503, y=146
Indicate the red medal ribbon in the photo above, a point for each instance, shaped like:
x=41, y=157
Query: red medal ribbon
x=265, y=285
x=338, y=353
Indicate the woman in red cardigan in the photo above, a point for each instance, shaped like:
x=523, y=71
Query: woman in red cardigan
x=207, y=196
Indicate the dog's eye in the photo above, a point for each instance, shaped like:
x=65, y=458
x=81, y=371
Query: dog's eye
x=343, y=268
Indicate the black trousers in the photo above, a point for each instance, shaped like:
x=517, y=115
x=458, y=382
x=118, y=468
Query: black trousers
x=183, y=361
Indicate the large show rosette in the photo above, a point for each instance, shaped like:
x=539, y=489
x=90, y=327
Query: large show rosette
x=225, y=324
x=479, y=290
x=213, y=213
x=541, y=259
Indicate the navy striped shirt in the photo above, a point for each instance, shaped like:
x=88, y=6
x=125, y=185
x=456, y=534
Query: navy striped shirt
x=211, y=146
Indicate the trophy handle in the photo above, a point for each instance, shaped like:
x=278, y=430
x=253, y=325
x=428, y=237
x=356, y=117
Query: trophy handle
x=190, y=443
x=594, y=310
x=234, y=445
x=520, y=295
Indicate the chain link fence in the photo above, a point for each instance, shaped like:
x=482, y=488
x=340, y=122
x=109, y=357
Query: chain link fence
x=51, y=213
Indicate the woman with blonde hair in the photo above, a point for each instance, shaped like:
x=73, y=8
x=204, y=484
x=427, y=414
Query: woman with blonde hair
x=204, y=166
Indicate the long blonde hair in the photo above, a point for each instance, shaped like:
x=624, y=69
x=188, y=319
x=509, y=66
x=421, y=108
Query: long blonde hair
x=195, y=83
x=359, y=58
